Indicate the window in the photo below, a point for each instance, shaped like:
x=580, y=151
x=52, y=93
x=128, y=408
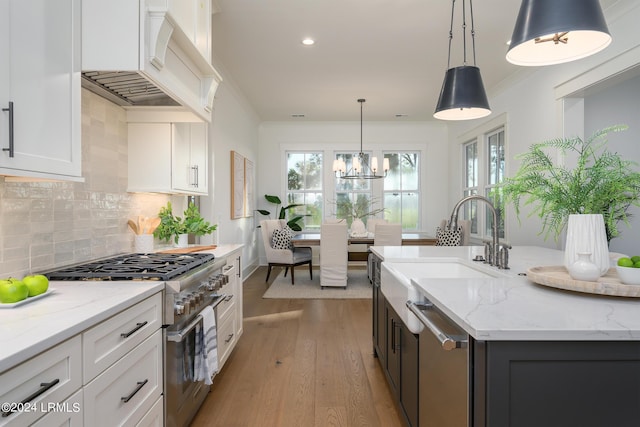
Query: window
x=352, y=195
x=304, y=186
x=483, y=175
x=401, y=195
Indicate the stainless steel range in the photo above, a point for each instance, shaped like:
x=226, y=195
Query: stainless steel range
x=192, y=282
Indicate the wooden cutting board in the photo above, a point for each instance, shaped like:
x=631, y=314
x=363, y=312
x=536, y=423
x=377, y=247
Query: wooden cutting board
x=188, y=250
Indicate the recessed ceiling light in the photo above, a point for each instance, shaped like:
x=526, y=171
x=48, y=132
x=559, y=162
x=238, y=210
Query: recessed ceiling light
x=402, y=115
x=308, y=41
x=297, y=116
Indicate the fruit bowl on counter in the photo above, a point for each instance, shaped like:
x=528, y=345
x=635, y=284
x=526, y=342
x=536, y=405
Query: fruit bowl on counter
x=628, y=269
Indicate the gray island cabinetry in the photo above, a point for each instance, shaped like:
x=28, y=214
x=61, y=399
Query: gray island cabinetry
x=497, y=350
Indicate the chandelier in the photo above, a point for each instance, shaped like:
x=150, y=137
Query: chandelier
x=360, y=169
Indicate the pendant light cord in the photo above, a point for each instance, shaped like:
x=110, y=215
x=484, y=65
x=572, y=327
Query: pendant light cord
x=453, y=7
x=464, y=32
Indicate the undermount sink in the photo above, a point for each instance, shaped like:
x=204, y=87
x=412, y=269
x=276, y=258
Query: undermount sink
x=397, y=288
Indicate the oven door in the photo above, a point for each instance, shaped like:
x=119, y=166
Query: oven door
x=184, y=395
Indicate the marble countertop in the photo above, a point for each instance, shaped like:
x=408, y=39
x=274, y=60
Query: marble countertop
x=511, y=307
x=72, y=307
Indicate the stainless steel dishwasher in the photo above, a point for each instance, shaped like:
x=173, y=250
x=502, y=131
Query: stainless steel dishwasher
x=444, y=363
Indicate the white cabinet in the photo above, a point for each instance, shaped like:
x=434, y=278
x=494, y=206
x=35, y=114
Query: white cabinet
x=194, y=17
x=40, y=89
x=229, y=312
x=168, y=158
x=48, y=378
x=127, y=390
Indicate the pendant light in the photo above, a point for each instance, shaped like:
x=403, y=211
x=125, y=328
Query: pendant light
x=360, y=169
x=462, y=96
x=551, y=32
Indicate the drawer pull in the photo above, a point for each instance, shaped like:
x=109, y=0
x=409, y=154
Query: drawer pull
x=141, y=384
x=228, y=298
x=134, y=330
x=229, y=338
x=43, y=388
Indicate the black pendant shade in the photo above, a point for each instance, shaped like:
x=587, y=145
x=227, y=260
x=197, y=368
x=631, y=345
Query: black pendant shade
x=462, y=96
x=552, y=32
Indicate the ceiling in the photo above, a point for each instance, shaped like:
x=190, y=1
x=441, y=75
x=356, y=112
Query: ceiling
x=393, y=53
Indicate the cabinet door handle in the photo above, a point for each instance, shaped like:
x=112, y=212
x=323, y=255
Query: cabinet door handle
x=10, y=110
x=229, y=338
x=140, y=384
x=134, y=330
x=195, y=176
x=239, y=267
x=43, y=388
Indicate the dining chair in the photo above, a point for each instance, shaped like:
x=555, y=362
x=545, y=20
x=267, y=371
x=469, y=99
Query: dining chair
x=333, y=254
x=385, y=234
x=372, y=222
x=276, y=237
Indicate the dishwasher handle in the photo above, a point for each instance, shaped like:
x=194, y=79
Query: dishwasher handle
x=447, y=342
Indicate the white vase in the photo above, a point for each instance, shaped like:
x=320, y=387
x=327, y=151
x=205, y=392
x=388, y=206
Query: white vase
x=358, y=228
x=183, y=241
x=584, y=269
x=143, y=243
x=586, y=233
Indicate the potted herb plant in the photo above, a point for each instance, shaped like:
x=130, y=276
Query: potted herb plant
x=602, y=182
x=178, y=228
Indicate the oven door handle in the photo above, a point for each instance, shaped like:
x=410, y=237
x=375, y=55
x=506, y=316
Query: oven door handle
x=179, y=336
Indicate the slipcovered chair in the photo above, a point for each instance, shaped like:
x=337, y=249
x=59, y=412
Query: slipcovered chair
x=385, y=235
x=333, y=254
x=278, y=248
x=372, y=222
x=465, y=233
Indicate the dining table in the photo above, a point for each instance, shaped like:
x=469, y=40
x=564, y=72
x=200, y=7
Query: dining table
x=416, y=238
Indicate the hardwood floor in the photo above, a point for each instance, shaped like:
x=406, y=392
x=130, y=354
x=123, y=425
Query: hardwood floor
x=300, y=363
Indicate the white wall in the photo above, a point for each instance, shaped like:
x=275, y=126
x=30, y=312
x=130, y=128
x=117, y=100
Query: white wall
x=234, y=127
x=534, y=114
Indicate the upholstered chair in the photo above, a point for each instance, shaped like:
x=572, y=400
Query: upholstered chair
x=372, y=222
x=385, y=234
x=333, y=254
x=282, y=254
x=465, y=232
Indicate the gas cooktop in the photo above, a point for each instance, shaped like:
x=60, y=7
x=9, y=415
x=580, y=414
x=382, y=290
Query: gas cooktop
x=154, y=266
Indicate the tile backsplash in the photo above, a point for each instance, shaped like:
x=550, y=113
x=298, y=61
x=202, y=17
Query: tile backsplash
x=44, y=225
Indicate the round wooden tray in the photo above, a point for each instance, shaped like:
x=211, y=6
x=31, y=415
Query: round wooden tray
x=558, y=277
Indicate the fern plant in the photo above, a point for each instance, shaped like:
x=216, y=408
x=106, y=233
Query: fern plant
x=602, y=182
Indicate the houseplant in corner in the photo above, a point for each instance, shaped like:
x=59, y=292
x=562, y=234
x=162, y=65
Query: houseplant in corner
x=600, y=183
x=179, y=228
x=293, y=222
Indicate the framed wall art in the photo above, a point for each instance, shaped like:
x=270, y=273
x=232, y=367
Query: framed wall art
x=237, y=185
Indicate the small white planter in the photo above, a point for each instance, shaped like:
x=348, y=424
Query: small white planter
x=183, y=241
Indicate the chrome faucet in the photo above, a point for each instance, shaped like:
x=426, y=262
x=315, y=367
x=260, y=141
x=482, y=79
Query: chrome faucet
x=494, y=251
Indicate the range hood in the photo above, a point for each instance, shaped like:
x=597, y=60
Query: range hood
x=146, y=53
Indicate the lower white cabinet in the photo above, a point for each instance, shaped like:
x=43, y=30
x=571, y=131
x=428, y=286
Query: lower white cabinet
x=119, y=362
x=48, y=378
x=127, y=390
x=67, y=413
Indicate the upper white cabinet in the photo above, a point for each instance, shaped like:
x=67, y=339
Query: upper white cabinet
x=40, y=89
x=165, y=42
x=168, y=158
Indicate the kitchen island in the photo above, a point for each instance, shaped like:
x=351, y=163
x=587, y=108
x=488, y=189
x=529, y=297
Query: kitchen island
x=529, y=355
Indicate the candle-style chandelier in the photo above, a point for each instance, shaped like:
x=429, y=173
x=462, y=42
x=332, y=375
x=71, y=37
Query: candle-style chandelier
x=360, y=169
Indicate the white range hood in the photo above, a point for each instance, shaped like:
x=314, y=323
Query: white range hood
x=150, y=53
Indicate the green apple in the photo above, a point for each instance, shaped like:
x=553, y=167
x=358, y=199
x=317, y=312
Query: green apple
x=13, y=290
x=37, y=284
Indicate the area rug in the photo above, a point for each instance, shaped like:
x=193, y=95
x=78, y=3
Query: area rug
x=358, y=286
